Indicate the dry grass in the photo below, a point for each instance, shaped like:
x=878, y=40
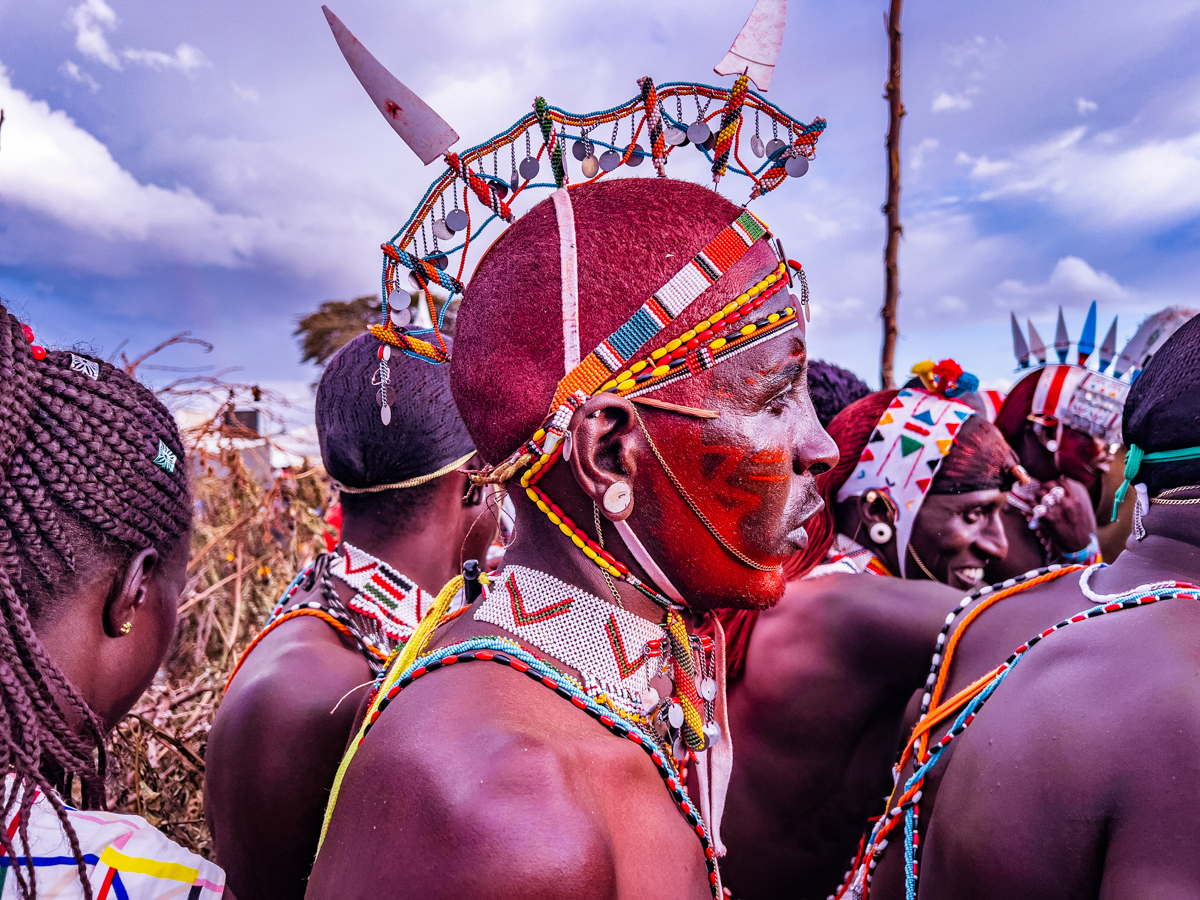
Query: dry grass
x=249, y=541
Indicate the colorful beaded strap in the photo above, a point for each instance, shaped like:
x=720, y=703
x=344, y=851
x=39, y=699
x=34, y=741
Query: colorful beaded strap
x=907, y=807
x=507, y=653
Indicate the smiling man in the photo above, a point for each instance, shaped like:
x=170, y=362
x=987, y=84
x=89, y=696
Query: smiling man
x=819, y=684
x=551, y=765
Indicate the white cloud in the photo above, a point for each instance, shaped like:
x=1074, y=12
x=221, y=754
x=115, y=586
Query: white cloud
x=186, y=58
x=1104, y=184
x=74, y=200
x=72, y=71
x=91, y=19
x=1071, y=282
x=247, y=95
x=1085, y=106
x=928, y=145
x=960, y=102
x=982, y=167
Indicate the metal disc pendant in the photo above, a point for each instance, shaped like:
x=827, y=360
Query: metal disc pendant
x=440, y=261
x=709, y=142
x=500, y=188
x=635, y=158
x=456, y=220
x=796, y=166
x=441, y=231
x=708, y=688
x=515, y=181
x=712, y=734
x=649, y=700
x=698, y=132
x=773, y=145
x=529, y=168
x=579, y=150
x=414, y=281
x=401, y=315
x=756, y=146
x=679, y=748
x=676, y=137
x=675, y=715
x=590, y=166
x=609, y=160
x=385, y=414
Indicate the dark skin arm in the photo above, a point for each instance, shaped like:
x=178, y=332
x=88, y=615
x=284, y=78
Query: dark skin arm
x=816, y=721
x=269, y=787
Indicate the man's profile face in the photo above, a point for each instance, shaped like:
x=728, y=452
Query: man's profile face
x=749, y=470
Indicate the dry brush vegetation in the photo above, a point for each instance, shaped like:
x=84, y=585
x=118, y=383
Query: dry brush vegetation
x=251, y=536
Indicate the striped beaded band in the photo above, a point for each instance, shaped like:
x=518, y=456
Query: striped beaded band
x=507, y=653
x=659, y=311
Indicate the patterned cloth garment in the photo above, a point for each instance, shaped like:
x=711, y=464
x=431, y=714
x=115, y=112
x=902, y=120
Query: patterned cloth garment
x=126, y=857
x=904, y=453
x=847, y=557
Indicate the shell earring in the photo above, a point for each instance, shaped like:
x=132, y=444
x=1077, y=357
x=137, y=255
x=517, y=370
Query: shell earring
x=881, y=532
x=618, y=498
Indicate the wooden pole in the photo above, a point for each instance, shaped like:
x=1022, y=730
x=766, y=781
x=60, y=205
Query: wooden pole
x=891, y=208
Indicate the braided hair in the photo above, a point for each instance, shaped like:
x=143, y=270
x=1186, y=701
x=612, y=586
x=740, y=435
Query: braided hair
x=78, y=485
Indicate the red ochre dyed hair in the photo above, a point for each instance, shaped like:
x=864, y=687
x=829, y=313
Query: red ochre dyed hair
x=1013, y=417
x=632, y=235
x=850, y=429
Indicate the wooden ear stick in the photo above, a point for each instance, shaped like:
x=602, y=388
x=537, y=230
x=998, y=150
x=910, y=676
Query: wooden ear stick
x=676, y=408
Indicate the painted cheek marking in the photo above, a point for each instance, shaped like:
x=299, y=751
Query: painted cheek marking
x=769, y=457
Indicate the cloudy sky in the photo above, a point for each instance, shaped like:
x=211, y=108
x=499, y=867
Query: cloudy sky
x=215, y=167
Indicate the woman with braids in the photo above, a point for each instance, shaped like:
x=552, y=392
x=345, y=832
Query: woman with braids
x=819, y=684
x=95, y=521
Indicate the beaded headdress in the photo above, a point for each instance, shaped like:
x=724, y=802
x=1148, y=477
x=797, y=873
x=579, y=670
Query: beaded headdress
x=1070, y=393
x=903, y=454
x=479, y=187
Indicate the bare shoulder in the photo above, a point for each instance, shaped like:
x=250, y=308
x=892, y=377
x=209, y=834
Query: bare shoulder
x=1089, y=744
x=478, y=782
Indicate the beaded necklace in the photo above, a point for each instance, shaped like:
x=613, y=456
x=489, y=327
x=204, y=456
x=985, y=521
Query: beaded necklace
x=967, y=703
x=508, y=653
x=618, y=654
x=383, y=613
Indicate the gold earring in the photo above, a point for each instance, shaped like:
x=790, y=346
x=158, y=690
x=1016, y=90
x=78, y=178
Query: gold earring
x=127, y=627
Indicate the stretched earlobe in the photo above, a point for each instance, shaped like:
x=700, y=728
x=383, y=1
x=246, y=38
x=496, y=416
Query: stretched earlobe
x=602, y=437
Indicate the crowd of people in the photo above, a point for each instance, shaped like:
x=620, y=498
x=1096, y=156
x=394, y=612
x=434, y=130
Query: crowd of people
x=631, y=597
x=833, y=561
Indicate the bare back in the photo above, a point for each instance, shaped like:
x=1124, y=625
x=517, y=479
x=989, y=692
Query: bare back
x=816, y=720
x=273, y=752
x=1077, y=777
x=476, y=781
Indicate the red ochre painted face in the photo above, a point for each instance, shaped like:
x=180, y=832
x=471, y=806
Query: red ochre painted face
x=750, y=472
